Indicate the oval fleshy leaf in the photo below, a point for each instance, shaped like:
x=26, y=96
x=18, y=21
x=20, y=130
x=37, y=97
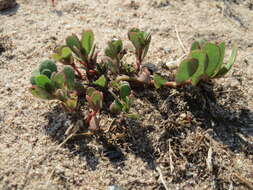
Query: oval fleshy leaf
x=40, y=93
x=59, y=79
x=186, y=69
x=124, y=89
x=225, y=68
x=97, y=100
x=222, y=54
x=70, y=77
x=213, y=54
x=74, y=44
x=44, y=82
x=48, y=64
x=90, y=91
x=87, y=41
x=101, y=81
x=134, y=38
x=115, y=107
x=200, y=72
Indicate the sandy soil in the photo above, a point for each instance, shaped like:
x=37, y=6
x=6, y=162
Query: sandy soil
x=192, y=138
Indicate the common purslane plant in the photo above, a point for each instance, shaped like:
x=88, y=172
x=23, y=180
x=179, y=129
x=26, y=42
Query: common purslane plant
x=111, y=81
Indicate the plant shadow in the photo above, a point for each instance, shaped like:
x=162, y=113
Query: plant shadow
x=95, y=147
x=216, y=109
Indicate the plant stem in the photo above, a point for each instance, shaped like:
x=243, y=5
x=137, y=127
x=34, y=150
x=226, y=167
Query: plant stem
x=76, y=69
x=171, y=84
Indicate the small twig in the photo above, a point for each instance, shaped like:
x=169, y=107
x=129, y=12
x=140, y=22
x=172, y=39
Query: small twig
x=244, y=181
x=161, y=178
x=209, y=160
x=69, y=137
x=170, y=157
x=50, y=176
x=180, y=41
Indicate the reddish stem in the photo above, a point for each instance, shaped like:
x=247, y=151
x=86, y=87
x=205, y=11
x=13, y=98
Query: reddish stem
x=76, y=69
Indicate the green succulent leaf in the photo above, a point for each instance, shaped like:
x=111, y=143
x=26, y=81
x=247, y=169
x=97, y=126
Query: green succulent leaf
x=225, y=68
x=48, y=64
x=34, y=74
x=74, y=44
x=90, y=91
x=116, y=107
x=71, y=101
x=159, y=81
x=222, y=54
x=147, y=43
x=133, y=36
x=101, y=81
x=200, y=72
x=44, y=82
x=186, y=69
x=114, y=48
x=59, y=79
x=213, y=54
x=70, y=77
x=40, y=93
x=124, y=89
x=62, y=53
x=87, y=41
x=97, y=100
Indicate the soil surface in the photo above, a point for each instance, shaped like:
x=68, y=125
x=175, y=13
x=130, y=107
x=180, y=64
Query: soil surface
x=187, y=138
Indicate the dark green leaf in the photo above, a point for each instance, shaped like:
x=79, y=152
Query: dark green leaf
x=87, y=41
x=70, y=77
x=186, y=69
x=200, y=72
x=46, y=72
x=124, y=89
x=48, y=64
x=74, y=44
x=213, y=54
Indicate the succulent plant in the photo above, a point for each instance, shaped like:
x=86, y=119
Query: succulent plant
x=113, y=76
x=205, y=61
x=82, y=51
x=48, y=84
x=141, y=41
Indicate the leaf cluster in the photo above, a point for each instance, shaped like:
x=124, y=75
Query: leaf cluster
x=110, y=80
